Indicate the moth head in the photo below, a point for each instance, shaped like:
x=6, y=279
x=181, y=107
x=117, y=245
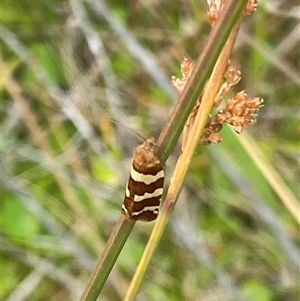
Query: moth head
x=144, y=154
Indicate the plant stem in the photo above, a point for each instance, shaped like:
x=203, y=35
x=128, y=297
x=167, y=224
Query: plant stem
x=169, y=136
x=216, y=40
x=183, y=162
x=109, y=256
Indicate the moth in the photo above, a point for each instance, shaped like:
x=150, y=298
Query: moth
x=145, y=184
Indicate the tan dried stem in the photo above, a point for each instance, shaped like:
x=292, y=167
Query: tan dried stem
x=183, y=162
x=199, y=123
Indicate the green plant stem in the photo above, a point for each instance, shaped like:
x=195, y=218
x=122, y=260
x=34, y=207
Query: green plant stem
x=109, y=256
x=183, y=163
x=170, y=134
x=172, y=195
x=203, y=68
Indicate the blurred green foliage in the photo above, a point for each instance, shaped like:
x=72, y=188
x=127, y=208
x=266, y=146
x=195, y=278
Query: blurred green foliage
x=64, y=176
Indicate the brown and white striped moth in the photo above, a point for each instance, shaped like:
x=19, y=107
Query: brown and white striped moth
x=145, y=185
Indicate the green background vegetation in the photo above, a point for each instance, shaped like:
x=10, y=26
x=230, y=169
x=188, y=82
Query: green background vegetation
x=64, y=163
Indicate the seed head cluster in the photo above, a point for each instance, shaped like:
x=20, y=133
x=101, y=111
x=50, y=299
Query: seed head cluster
x=215, y=8
x=237, y=111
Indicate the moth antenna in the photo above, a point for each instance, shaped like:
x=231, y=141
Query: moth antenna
x=129, y=128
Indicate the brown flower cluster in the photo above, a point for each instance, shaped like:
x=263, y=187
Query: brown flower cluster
x=186, y=68
x=238, y=111
x=215, y=6
x=251, y=7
